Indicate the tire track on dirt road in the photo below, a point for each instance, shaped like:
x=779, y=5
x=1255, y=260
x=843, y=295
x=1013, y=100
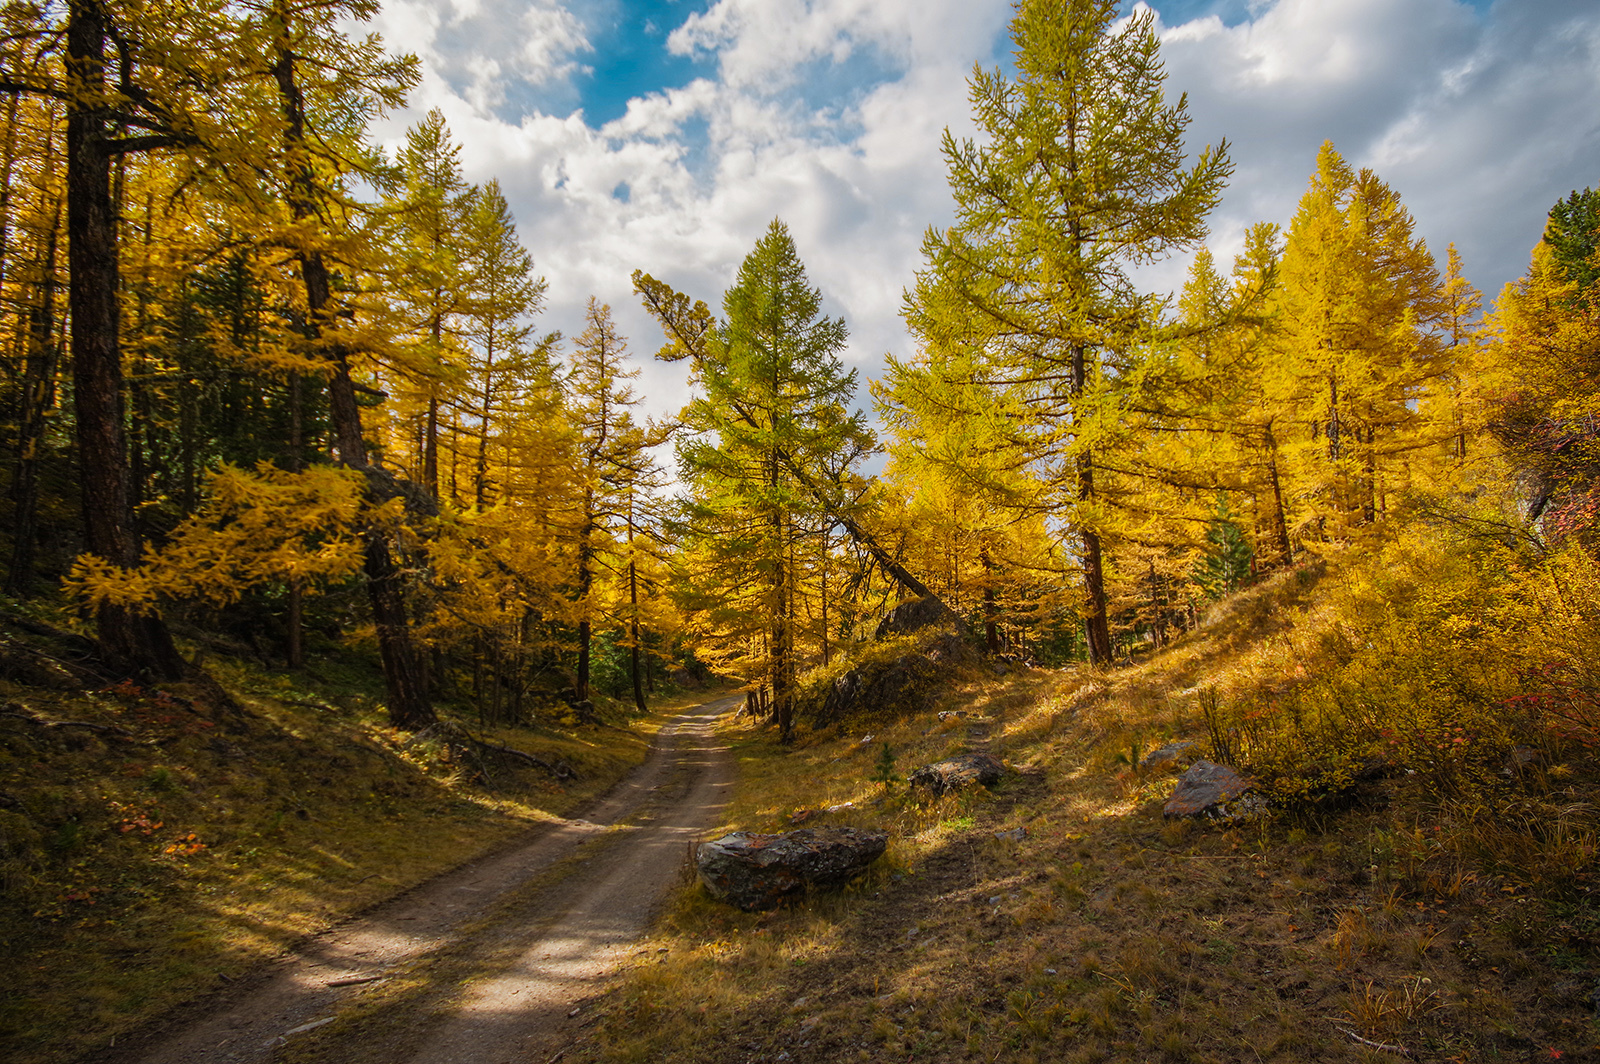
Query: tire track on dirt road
x=554, y=945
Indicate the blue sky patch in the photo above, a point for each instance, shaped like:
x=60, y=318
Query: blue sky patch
x=630, y=56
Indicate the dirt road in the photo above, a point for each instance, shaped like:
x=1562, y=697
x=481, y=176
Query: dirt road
x=483, y=964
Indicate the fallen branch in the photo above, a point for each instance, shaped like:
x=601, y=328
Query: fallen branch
x=19, y=713
x=1384, y=1046
x=560, y=770
x=455, y=733
x=82, y=644
x=80, y=670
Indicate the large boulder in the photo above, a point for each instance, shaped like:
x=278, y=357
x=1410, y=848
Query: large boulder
x=944, y=777
x=1215, y=792
x=756, y=871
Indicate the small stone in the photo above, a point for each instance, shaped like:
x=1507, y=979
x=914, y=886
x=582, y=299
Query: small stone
x=1014, y=835
x=1170, y=754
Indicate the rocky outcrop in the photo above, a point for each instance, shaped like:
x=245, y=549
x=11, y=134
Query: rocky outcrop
x=1214, y=792
x=917, y=614
x=905, y=685
x=944, y=777
x=756, y=872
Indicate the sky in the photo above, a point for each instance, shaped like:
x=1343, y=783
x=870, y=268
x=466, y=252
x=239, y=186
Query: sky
x=665, y=135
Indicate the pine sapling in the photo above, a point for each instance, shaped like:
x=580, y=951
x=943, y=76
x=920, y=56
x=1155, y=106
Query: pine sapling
x=883, y=771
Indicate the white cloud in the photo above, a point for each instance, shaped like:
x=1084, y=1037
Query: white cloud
x=1479, y=125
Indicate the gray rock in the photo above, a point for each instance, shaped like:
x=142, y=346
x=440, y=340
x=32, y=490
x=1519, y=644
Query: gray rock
x=943, y=777
x=1014, y=835
x=755, y=872
x=1215, y=792
x=1171, y=754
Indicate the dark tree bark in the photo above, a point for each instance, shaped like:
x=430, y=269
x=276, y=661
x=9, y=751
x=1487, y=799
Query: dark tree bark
x=132, y=643
x=403, y=673
x=585, y=584
x=633, y=617
x=991, y=611
x=38, y=396
x=1280, y=522
x=294, y=623
x=1097, y=629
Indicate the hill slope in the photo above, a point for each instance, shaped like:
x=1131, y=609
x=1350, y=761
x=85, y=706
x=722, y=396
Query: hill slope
x=1442, y=914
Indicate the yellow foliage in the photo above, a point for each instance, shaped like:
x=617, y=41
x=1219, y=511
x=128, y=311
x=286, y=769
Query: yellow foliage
x=256, y=526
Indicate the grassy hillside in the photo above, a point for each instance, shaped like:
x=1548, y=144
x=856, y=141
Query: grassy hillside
x=155, y=844
x=1423, y=723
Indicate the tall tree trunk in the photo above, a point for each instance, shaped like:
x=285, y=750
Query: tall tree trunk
x=38, y=396
x=781, y=695
x=133, y=643
x=295, y=622
x=633, y=615
x=1158, y=623
x=1280, y=521
x=1369, y=500
x=409, y=706
x=991, y=625
x=826, y=530
x=1097, y=629
x=585, y=584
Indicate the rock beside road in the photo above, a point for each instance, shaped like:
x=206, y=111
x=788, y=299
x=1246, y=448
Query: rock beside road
x=944, y=777
x=755, y=871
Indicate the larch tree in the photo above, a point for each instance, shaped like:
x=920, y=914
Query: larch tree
x=765, y=430
x=327, y=85
x=1541, y=379
x=1359, y=314
x=34, y=279
x=613, y=461
x=130, y=82
x=1079, y=177
x=430, y=282
x=502, y=295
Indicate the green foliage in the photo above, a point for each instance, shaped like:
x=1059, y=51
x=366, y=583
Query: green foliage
x=1573, y=231
x=769, y=422
x=883, y=769
x=1225, y=565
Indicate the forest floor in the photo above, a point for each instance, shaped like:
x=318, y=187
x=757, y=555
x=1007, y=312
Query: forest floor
x=1106, y=933
x=486, y=962
x=165, y=847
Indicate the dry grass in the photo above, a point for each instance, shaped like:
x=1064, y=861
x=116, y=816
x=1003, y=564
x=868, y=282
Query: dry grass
x=1390, y=924
x=147, y=865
